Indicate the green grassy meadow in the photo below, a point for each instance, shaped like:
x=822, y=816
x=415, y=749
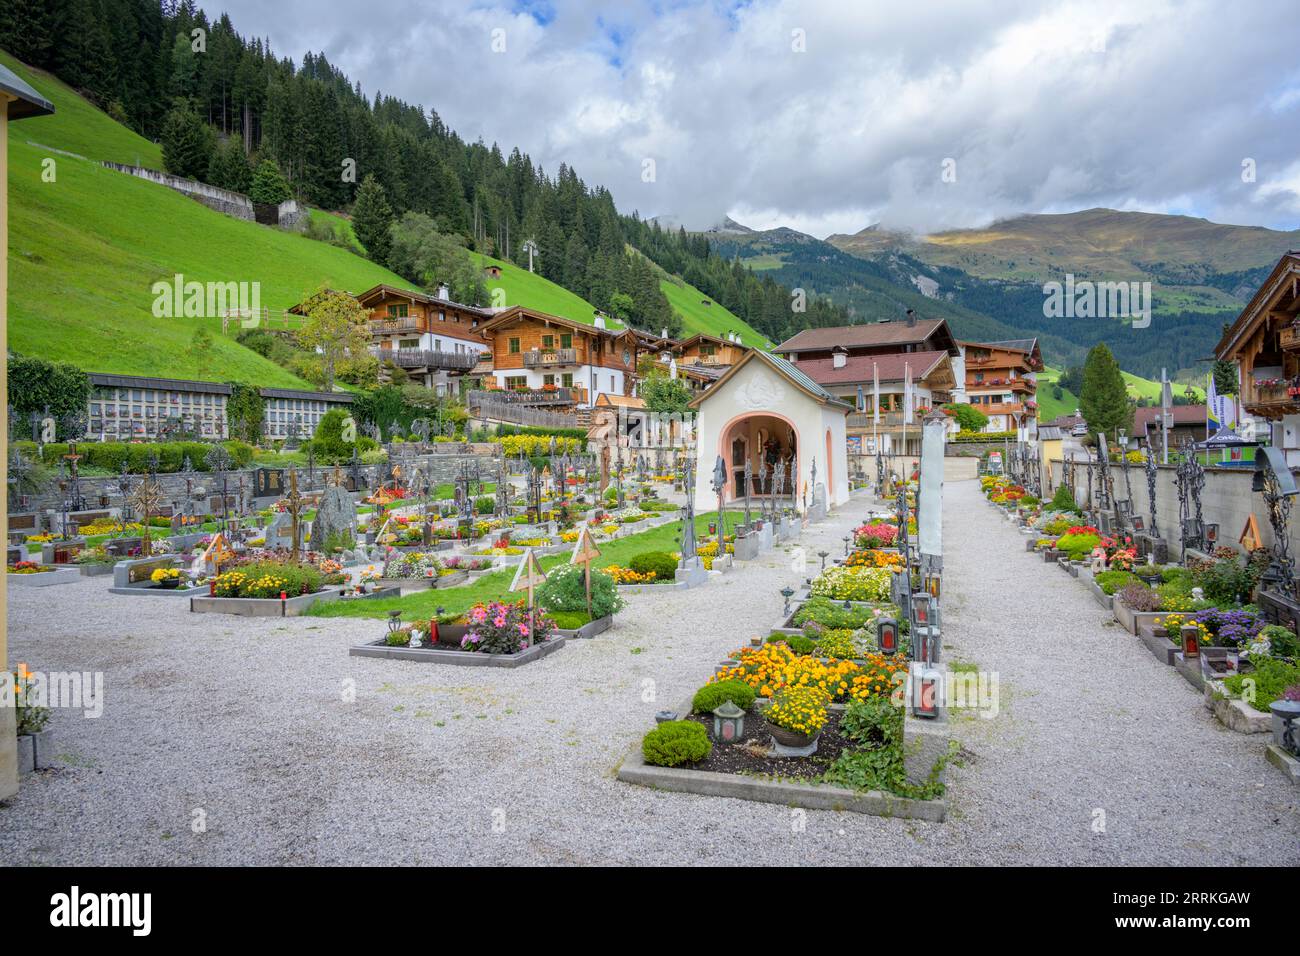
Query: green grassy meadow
x=495, y=586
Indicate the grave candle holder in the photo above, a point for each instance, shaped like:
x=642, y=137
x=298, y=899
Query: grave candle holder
x=1191, y=640
x=926, y=682
x=887, y=635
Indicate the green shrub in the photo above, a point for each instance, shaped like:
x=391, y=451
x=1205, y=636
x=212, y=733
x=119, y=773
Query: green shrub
x=484, y=505
x=797, y=642
x=710, y=696
x=659, y=563
x=676, y=742
x=111, y=455
x=1269, y=678
x=1112, y=581
x=1282, y=640
x=565, y=589
x=1063, y=500
x=832, y=615
x=1077, y=546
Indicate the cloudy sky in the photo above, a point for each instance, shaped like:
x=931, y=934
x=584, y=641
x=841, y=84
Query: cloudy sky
x=829, y=116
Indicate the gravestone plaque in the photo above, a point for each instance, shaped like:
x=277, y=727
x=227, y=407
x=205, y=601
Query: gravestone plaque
x=268, y=482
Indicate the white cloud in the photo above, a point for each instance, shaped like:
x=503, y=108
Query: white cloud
x=1043, y=105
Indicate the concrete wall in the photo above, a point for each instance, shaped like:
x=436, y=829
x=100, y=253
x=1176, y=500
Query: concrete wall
x=1226, y=500
x=222, y=200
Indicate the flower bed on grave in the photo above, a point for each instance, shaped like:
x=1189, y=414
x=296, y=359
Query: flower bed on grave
x=261, y=584
x=493, y=634
x=783, y=728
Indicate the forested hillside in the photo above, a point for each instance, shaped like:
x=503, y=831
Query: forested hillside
x=222, y=104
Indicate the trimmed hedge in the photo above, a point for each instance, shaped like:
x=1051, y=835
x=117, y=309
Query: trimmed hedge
x=659, y=563
x=171, y=455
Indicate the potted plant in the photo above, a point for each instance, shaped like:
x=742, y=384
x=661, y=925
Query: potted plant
x=169, y=578
x=795, y=718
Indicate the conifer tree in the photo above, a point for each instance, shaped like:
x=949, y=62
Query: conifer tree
x=372, y=220
x=1104, y=397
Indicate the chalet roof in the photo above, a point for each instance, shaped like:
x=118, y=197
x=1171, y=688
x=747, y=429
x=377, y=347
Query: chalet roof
x=710, y=372
x=702, y=337
x=344, y=398
x=782, y=367
x=107, y=380
x=619, y=401
x=27, y=102
x=383, y=290
x=518, y=313
x=1148, y=416
x=891, y=367
x=1285, y=274
x=871, y=335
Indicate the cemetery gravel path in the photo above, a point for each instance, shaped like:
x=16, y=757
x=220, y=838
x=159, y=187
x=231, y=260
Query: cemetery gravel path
x=242, y=723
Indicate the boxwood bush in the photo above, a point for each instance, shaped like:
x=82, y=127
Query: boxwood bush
x=659, y=563
x=711, y=696
x=676, y=742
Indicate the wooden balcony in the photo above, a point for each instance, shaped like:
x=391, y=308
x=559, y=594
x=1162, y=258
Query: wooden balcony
x=426, y=358
x=1288, y=338
x=537, y=398
x=396, y=326
x=1269, y=401
x=541, y=357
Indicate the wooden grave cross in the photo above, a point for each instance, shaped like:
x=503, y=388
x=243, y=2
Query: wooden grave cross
x=584, y=553
x=1250, y=539
x=527, y=577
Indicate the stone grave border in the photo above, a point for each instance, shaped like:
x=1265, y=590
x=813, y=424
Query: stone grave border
x=633, y=769
x=438, y=655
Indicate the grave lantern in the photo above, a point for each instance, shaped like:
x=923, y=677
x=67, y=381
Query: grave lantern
x=728, y=722
x=433, y=624
x=1191, y=641
x=932, y=584
x=395, y=624
x=887, y=635
x=1211, y=536
x=921, y=609
x=926, y=685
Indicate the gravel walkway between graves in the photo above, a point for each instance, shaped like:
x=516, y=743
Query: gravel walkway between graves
x=246, y=720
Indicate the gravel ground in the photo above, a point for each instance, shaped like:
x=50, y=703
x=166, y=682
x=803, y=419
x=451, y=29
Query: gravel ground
x=247, y=720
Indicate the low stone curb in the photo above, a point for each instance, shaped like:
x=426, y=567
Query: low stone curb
x=94, y=570
x=1285, y=762
x=1161, y=648
x=654, y=588
x=44, y=579
x=1235, y=714
x=1131, y=620
x=1105, y=601
x=437, y=655
x=148, y=591
x=262, y=607
x=599, y=626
